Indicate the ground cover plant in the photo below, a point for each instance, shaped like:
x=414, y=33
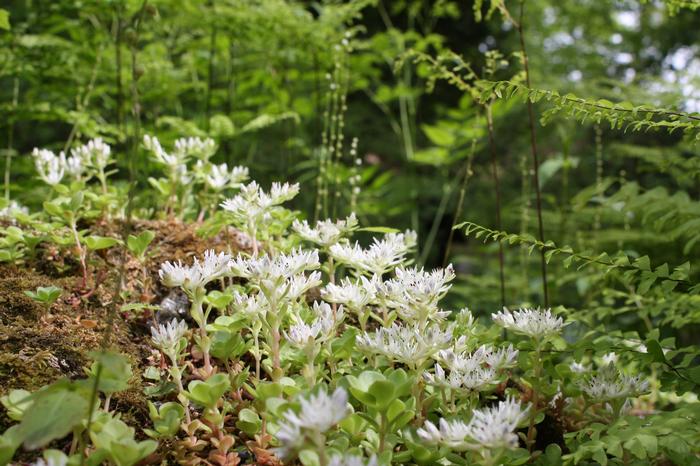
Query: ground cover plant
x=350, y=233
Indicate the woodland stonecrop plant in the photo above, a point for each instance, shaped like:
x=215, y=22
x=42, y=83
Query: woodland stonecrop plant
x=254, y=210
x=216, y=179
x=540, y=326
x=193, y=280
x=282, y=282
x=181, y=174
x=310, y=338
x=68, y=210
x=488, y=433
x=45, y=295
x=87, y=161
x=306, y=429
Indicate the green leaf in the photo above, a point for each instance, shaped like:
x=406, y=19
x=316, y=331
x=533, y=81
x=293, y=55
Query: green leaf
x=54, y=413
x=218, y=299
x=249, y=422
x=54, y=208
x=439, y=135
x=16, y=403
x=4, y=19
x=116, y=439
x=116, y=371
x=139, y=244
x=166, y=419
x=384, y=230
x=45, y=294
x=207, y=393
x=383, y=393
x=654, y=349
x=10, y=441
x=100, y=242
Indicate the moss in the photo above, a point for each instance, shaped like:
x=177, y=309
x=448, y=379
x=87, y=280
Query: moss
x=37, y=348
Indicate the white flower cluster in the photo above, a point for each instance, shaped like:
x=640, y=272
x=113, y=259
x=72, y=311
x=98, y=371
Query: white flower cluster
x=200, y=148
x=321, y=329
x=12, y=209
x=355, y=295
x=381, y=256
x=281, y=276
x=489, y=428
x=219, y=177
x=475, y=372
x=326, y=233
x=534, y=323
x=253, y=305
x=152, y=144
x=51, y=167
x=610, y=384
x=95, y=155
x=175, y=161
x=196, y=276
x=91, y=159
x=410, y=345
x=167, y=337
x=253, y=207
x=415, y=294
x=318, y=414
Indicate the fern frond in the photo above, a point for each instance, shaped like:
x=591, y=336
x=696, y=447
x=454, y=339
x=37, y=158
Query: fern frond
x=621, y=115
x=634, y=269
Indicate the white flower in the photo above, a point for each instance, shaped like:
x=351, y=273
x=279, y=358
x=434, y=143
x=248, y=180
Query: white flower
x=476, y=380
x=318, y=413
x=494, y=427
x=610, y=384
x=609, y=358
x=407, y=344
x=464, y=319
x=352, y=460
x=352, y=255
x=326, y=232
x=578, y=368
x=281, y=276
x=251, y=305
x=478, y=371
x=453, y=434
x=484, y=356
x=174, y=161
x=75, y=166
x=382, y=255
x=51, y=167
x=12, y=209
x=322, y=328
x=415, y=293
x=283, y=266
x=252, y=206
x=195, y=277
x=489, y=428
x=354, y=295
x=534, y=323
x=219, y=177
x=299, y=284
x=200, y=148
x=95, y=154
x=167, y=337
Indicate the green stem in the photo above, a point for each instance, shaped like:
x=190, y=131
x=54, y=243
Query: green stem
x=535, y=156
